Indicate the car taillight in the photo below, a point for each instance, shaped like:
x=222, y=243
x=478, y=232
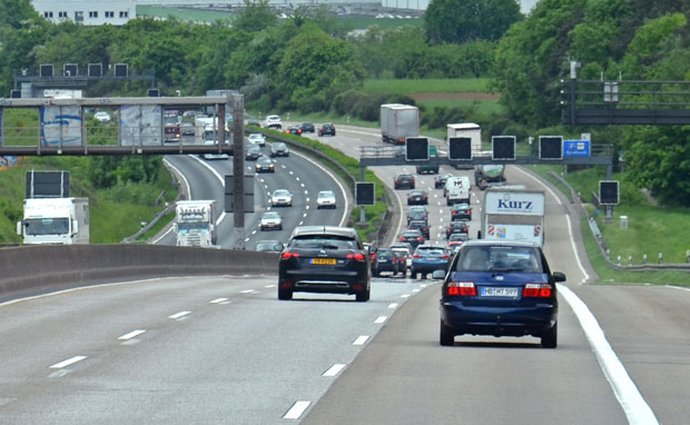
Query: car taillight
x=420, y=239
x=358, y=256
x=463, y=289
x=416, y=256
x=537, y=290
x=288, y=254
x=444, y=257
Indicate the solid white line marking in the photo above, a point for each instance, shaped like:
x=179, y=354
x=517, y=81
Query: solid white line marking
x=131, y=334
x=678, y=287
x=635, y=407
x=218, y=301
x=334, y=370
x=416, y=290
x=393, y=305
x=179, y=315
x=297, y=410
x=380, y=319
x=361, y=340
x=405, y=296
x=67, y=362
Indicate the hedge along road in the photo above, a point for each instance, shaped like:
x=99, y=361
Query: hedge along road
x=579, y=382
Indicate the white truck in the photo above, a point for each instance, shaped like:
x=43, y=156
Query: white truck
x=513, y=213
x=195, y=223
x=55, y=221
x=466, y=129
x=398, y=122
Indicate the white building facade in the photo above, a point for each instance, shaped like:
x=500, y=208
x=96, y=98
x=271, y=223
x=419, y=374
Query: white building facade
x=94, y=12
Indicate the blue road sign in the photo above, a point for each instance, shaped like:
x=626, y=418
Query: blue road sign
x=579, y=148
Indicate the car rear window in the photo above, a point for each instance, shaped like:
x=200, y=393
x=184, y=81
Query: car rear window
x=324, y=243
x=504, y=258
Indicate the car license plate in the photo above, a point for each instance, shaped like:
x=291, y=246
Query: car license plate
x=498, y=292
x=323, y=261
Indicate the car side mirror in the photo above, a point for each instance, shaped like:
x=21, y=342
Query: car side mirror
x=438, y=274
x=558, y=277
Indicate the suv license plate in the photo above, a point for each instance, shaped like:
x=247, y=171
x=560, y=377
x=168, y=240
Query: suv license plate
x=498, y=292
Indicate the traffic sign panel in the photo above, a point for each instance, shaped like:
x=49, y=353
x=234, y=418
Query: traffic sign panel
x=577, y=148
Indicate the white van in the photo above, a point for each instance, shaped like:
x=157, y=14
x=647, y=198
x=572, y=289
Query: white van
x=457, y=190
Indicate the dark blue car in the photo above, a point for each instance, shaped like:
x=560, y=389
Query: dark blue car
x=499, y=288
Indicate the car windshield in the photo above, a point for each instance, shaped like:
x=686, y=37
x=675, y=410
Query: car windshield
x=500, y=258
x=271, y=215
x=281, y=192
x=326, y=194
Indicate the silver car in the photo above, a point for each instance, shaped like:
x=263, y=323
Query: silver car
x=281, y=198
x=326, y=199
x=271, y=220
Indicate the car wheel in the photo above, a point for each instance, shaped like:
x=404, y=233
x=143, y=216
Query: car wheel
x=424, y=276
x=446, y=336
x=284, y=294
x=375, y=273
x=550, y=338
x=363, y=296
x=413, y=275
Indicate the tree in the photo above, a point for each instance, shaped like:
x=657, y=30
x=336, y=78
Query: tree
x=255, y=16
x=314, y=68
x=658, y=158
x=459, y=21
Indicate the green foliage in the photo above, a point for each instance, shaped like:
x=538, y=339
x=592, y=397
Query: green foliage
x=314, y=68
x=460, y=21
x=660, y=159
x=255, y=16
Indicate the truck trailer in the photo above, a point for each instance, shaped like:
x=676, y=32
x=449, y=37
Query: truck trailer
x=195, y=223
x=62, y=221
x=513, y=213
x=398, y=122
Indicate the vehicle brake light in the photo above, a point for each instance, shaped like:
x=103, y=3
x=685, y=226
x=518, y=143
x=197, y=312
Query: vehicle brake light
x=288, y=254
x=358, y=256
x=444, y=257
x=537, y=290
x=463, y=289
x=416, y=256
x=421, y=239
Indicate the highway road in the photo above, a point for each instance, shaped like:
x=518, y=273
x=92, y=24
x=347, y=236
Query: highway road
x=223, y=349
x=204, y=179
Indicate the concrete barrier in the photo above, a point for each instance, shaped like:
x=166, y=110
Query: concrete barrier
x=29, y=270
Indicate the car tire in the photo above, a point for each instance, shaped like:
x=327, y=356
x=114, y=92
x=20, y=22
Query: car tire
x=413, y=275
x=446, y=335
x=284, y=294
x=550, y=338
x=363, y=296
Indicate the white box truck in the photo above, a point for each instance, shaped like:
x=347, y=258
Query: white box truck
x=398, y=122
x=55, y=221
x=195, y=223
x=513, y=213
x=466, y=129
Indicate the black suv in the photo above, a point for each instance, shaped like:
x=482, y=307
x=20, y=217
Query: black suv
x=327, y=130
x=324, y=259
